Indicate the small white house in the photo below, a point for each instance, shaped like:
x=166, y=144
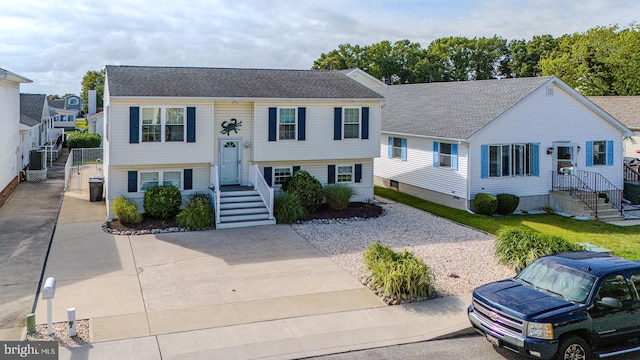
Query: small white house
x=218, y=129
x=10, y=154
x=446, y=142
x=34, y=123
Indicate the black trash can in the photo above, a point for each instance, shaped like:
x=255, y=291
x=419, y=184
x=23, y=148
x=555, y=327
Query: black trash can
x=96, y=185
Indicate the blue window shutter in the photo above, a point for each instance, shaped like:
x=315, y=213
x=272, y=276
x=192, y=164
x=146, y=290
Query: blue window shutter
x=188, y=179
x=331, y=174
x=296, y=169
x=191, y=124
x=390, y=149
x=132, y=177
x=403, y=150
x=337, y=123
x=302, y=119
x=272, y=123
x=268, y=171
x=358, y=173
x=134, y=125
x=436, y=156
x=365, y=123
x=589, y=153
x=484, y=161
x=609, y=152
x=454, y=156
x=535, y=166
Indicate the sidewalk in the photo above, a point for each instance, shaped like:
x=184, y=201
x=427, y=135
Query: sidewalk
x=239, y=293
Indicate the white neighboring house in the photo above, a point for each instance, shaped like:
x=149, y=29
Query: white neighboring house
x=35, y=121
x=10, y=155
x=446, y=142
x=202, y=129
x=95, y=124
x=627, y=110
x=363, y=77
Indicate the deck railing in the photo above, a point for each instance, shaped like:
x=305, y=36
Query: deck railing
x=266, y=192
x=214, y=189
x=589, y=187
x=631, y=173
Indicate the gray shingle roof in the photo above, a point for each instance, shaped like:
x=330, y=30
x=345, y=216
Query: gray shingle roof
x=31, y=107
x=625, y=109
x=57, y=103
x=233, y=83
x=451, y=109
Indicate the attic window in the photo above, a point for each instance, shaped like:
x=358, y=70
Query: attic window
x=549, y=91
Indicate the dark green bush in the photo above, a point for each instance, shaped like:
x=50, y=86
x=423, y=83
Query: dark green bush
x=162, y=201
x=307, y=187
x=126, y=211
x=507, y=203
x=287, y=208
x=485, y=204
x=83, y=140
x=397, y=276
x=338, y=196
x=197, y=213
x=520, y=247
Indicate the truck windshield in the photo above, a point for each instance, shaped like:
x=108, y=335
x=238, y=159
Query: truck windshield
x=558, y=280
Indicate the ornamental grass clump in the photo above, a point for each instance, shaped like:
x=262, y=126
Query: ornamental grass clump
x=197, y=214
x=520, y=247
x=126, y=211
x=287, y=208
x=397, y=277
x=338, y=196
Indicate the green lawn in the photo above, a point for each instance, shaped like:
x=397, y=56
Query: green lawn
x=623, y=240
x=82, y=124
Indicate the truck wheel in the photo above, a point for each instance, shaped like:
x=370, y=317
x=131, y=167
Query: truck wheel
x=574, y=348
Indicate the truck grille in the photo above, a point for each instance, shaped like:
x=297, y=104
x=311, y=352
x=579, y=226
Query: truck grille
x=497, y=320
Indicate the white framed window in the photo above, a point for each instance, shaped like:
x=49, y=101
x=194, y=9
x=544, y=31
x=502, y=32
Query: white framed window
x=510, y=160
x=150, y=179
x=344, y=174
x=287, y=123
x=600, y=152
x=280, y=175
x=396, y=152
x=444, y=155
x=351, y=123
x=163, y=124
x=73, y=101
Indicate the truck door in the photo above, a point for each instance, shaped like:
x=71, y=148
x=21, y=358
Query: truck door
x=616, y=326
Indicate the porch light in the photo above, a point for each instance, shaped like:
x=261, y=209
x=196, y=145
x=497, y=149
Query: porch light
x=549, y=151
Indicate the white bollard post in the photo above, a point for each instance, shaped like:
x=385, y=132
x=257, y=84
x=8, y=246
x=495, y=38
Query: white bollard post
x=71, y=316
x=49, y=317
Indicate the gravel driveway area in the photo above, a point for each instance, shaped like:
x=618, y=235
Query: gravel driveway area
x=461, y=258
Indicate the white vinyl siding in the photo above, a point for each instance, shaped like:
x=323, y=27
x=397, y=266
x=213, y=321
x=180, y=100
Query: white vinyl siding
x=319, y=143
x=10, y=134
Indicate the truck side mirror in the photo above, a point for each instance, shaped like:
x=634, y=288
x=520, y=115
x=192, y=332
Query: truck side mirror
x=609, y=302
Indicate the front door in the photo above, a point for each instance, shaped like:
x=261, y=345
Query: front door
x=565, y=158
x=230, y=162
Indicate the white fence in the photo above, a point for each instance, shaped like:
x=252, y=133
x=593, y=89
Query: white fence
x=81, y=164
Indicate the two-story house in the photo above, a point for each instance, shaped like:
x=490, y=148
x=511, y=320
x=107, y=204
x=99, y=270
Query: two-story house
x=207, y=129
x=10, y=155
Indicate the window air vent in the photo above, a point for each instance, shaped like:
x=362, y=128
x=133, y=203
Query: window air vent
x=549, y=91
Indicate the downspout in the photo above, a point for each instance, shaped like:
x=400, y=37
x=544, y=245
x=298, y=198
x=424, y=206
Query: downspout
x=466, y=201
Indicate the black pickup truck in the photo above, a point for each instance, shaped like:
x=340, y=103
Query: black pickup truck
x=577, y=305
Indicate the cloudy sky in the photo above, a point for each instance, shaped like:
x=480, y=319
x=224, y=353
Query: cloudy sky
x=54, y=43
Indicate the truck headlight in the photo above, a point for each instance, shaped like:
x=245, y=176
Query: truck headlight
x=540, y=330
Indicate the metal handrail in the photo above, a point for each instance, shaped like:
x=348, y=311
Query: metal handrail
x=631, y=174
x=589, y=187
x=266, y=192
x=214, y=186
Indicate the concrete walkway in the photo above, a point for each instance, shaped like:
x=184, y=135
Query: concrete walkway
x=249, y=293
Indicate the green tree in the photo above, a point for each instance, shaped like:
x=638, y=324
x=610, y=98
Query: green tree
x=524, y=56
x=93, y=80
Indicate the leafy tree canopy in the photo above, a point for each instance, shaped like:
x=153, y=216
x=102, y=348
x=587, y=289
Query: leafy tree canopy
x=602, y=61
x=93, y=80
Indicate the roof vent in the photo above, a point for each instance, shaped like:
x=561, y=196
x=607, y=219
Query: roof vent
x=549, y=91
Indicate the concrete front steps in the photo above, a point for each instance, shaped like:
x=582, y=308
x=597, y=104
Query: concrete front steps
x=565, y=202
x=242, y=208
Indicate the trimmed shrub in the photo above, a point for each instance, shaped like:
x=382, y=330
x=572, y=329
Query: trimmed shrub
x=83, y=140
x=507, y=203
x=485, y=204
x=520, y=247
x=197, y=213
x=162, y=201
x=126, y=211
x=287, y=208
x=338, y=196
x=307, y=187
x=397, y=277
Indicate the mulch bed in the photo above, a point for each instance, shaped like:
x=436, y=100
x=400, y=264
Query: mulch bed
x=355, y=210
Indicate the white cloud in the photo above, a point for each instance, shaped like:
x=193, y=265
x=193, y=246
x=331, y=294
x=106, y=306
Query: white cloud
x=56, y=45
